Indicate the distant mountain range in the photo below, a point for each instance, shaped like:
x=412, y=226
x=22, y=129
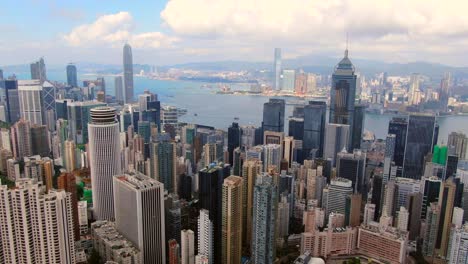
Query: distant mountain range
x=318, y=64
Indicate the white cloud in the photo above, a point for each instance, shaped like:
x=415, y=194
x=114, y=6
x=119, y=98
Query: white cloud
x=114, y=30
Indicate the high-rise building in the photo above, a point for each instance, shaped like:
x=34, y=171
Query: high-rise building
x=398, y=127
x=458, y=250
x=289, y=80
x=273, y=115
x=358, y=126
x=174, y=251
x=36, y=227
x=444, y=92
x=271, y=157
x=446, y=205
x=210, y=191
x=49, y=105
x=414, y=204
x=128, y=73
x=234, y=140
x=67, y=182
x=352, y=166
x=205, y=235
x=40, y=140
x=38, y=70
x=419, y=142
x=338, y=190
x=21, y=139
x=250, y=171
x=187, y=249
x=314, y=129
x=78, y=119
x=31, y=101
x=72, y=77
x=300, y=84
x=413, y=89
x=173, y=216
x=336, y=139
x=139, y=214
x=369, y=213
x=232, y=220
x=431, y=192
x=457, y=145
x=277, y=70
x=119, y=90
x=431, y=229
x=105, y=159
x=342, y=95
x=264, y=220
x=163, y=164
x=10, y=100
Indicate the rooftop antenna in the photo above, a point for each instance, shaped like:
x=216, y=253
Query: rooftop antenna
x=346, y=51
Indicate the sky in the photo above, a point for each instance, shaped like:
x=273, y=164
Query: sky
x=179, y=31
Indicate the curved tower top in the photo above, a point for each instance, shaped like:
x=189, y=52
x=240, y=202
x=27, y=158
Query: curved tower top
x=103, y=115
x=345, y=66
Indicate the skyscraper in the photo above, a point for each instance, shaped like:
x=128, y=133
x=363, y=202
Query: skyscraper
x=232, y=220
x=163, y=163
x=128, y=73
x=78, y=119
x=457, y=144
x=10, y=99
x=105, y=159
x=72, y=78
x=342, y=95
x=31, y=101
x=338, y=190
x=250, y=171
x=399, y=127
x=187, y=249
x=336, y=139
x=264, y=220
x=38, y=70
x=67, y=182
x=277, y=69
x=205, y=235
x=40, y=141
x=289, y=80
x=458, y=251
x=273, y=115
x=234, y=140
x=444, y=92
x=210, y=196
x=49, y=107
x=314, y=129
x=36, y=227
x=446, y=204
x=419, y=142
x=352, y=166
x=21, y=139
x=119, y=91
x=358, y=126
x=139, y=214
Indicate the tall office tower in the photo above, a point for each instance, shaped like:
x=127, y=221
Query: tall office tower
x=405, y=188
x=314, y=129
x=342, y=95
x=277, y=70
x=31, y=101
x=210, y=153
x=69, y=155
x=353, y=210
x=238, y=161
x=5, y=139
x=444, y=92
x=432, y=187
x=205, y=235
x=72, y=76
x=173, y=216
x=174, y=251
x=232, y=220
x=139, y=214
x=413, y=89
x=390, y=198
x=105, y=159
x=369, y=214
x=458, y=249
x=336, y=139
x=296, y=128
x=38, y=70
x=398, y=127
x=128, y=73
x=187, y=249
x=247, y=136
x=251, y=169
x=273, y=115
x=446, y=204
x=210, y=196
x=163, y=163
x=271, y=157
x=352, y=166
x=338, y=190
x=403, y=219
x=119, y=91
x=36, y=227
x=457, y=144
x=414, y=204
x=21, y=139
x=457, y=218
x=300, y=83
x=78, y=119
x=431, y=229
x=48, y=101
x=289, y=80
x=234, y=140
x=1, y=74
x=40, y=141
x=10, y=100
x=264, y=220
x=419, y=142
x=389, y=155
x=67, y=182
x=358, y=126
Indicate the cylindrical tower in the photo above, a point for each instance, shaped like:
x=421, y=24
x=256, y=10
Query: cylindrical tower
x=104, y=155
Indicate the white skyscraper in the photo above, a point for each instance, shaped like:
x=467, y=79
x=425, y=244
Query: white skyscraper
x=105, y=159
x=458, y=246
x=139, y=214
x=369, y=213
x=336, y=139
x=457, y=218
x=271, y=157
x=403, y=218
x=35, y=227
x=277, y=69
x=188, y=248
x=31, y=101
x=205, y=235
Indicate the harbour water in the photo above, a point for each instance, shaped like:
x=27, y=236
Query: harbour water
x=206, y=107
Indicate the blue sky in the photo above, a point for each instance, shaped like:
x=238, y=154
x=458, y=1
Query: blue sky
x=165, y=32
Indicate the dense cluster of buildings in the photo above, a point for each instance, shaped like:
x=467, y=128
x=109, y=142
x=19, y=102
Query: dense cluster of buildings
x=89, y=176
